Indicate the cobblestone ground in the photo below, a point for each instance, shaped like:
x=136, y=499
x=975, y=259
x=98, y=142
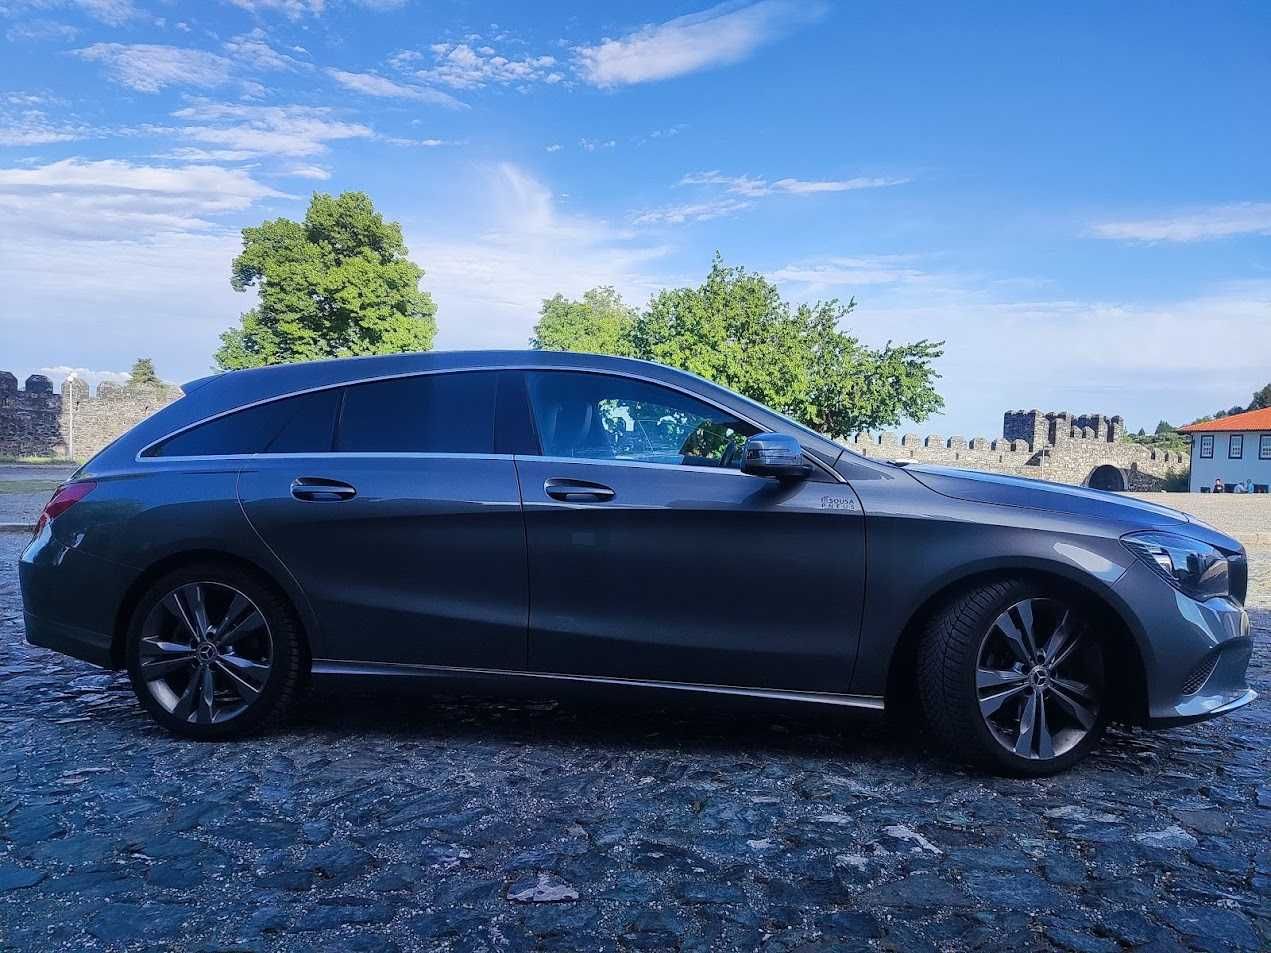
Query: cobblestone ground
x=470, y=825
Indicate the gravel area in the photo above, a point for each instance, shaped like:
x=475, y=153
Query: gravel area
x=456, y=824
x=25, y=489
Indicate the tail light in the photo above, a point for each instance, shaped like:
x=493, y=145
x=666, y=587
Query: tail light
x=65, y=497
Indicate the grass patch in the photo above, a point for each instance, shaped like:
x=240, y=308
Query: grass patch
x=28, y=486
x=41, y=461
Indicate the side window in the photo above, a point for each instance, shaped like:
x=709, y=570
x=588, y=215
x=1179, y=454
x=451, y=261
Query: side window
x=1264, y=447
x=1236, y=446
x=300, y=424
x=428, y=413
x=599, y=417
x=1206, y=446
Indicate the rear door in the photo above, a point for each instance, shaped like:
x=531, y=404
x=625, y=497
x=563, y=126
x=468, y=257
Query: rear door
x=404, y=526
x=653, y=557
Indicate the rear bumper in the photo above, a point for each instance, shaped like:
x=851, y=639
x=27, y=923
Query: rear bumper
x=70, y=600
x=69, y=640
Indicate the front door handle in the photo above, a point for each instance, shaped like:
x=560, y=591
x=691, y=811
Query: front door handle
x=577, y=491
x=321, y=490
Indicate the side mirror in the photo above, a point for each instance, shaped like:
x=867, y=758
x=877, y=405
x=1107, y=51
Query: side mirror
x=774, y=455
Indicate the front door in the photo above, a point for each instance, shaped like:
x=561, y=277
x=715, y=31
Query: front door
x=406, y=532
x=653, y=557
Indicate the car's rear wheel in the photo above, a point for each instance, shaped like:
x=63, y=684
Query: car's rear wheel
x=213, y=653
x=1012, y=676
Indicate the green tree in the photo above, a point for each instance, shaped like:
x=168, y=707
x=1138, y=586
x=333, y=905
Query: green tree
x=736, y=330
x=1261, y=399
x=1164, y=427
x=337, y=284
x=143, y=373
x=598, y=324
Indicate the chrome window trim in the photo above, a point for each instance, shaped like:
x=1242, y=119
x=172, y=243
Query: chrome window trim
x=140, y=457
x=341, y=667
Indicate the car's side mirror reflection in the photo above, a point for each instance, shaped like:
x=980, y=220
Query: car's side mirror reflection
x=774, y=455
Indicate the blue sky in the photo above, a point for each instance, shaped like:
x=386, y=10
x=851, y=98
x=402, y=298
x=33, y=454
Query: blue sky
x=1076, y=197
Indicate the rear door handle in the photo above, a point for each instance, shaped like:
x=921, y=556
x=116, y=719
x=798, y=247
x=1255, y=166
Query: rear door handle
x=577, y=491
x=321, y=490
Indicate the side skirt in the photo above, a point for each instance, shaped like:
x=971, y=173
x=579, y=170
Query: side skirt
x=335, y=671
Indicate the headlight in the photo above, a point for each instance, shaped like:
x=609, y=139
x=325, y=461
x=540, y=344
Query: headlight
x=1193, y=567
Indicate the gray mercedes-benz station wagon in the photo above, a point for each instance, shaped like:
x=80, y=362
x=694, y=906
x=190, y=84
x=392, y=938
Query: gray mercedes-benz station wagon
x=540, y=521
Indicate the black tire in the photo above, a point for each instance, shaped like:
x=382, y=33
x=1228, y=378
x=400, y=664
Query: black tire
x=280, y=640
x=954, y=696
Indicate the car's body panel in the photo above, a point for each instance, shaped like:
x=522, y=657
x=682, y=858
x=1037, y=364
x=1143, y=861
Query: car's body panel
x=691, y=578
x=426, y=564
x=693, y=574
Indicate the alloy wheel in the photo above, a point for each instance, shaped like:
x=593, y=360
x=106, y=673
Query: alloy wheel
x=206, y=652
x=1039, y=679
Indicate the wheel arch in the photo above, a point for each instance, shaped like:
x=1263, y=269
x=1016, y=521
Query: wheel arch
x=174, y=561
x=1126, y=657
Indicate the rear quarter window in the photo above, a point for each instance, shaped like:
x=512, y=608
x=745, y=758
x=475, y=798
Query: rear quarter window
x=301, y=424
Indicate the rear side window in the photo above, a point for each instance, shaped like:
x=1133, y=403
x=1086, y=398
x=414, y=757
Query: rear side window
x=431, y=413
x=300, y=424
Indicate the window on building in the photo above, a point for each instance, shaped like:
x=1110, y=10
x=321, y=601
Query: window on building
x=429, y=413
x=1206, y=446
x=1235, y=446
x=1264, y=447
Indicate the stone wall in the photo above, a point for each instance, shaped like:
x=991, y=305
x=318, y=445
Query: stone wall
x=37, y=422
x=1083, y=450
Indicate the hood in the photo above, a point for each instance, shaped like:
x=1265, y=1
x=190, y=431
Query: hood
x=980, y=487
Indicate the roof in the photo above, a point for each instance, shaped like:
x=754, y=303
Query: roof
x=1249, y=420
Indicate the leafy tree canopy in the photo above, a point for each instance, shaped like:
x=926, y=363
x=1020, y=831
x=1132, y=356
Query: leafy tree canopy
x=143, y=372
x=736, y=330
x=599, y=324
x=337, y=284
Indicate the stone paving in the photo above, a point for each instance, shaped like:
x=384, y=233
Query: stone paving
x=454, y=824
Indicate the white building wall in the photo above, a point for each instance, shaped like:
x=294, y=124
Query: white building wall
x=1247, y=466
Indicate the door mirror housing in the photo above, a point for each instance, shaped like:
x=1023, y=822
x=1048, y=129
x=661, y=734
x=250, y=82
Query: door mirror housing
x=774, y=455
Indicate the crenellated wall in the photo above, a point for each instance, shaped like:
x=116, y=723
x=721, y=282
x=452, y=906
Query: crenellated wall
x=37, y=422
x=1085, y=450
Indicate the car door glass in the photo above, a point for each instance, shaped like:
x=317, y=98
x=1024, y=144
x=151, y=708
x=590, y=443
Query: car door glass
x=427, y=413
x=604, y=417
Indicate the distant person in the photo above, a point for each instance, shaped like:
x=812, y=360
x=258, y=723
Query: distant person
x=1248, y=484
x=1218, y=487
x=1237, y=487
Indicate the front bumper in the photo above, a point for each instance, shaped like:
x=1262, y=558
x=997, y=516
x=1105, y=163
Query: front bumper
x=1195, y=654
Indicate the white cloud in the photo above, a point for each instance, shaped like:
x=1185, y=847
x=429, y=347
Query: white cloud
x=724, y=34
x=554, y=147
x=89, y=376
x=37, y=30
x=754, y=187
x=591, y=145
x=33, y=127
x=1219, y=221
x=291, y=9
x=111, y=198
x=149, y=67
x=244, y=132
x=460, y=66
x=690, y=212
x=517, y=247
x=848, y=272
x=253, y=50
x=741, y=192
x=110, y=12
x=307, y=172
x=372, y=84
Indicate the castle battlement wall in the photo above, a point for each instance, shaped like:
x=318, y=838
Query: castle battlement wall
x=1053, y=445
x=36, y=421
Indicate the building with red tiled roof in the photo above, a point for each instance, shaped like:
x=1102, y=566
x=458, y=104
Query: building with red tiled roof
x=1235, y=449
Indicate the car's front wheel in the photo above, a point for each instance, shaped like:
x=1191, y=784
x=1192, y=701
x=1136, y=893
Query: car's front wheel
x=1012, y=676
x=214, y=653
